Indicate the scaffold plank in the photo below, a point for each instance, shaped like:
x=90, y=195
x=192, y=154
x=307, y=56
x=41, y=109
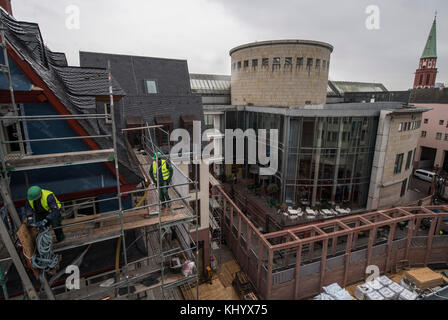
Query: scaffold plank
x=28, y=162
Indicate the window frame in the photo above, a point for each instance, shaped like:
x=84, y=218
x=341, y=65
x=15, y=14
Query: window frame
x=107, y=112
x=398, y=166
x=408, y=160
x=156, y=85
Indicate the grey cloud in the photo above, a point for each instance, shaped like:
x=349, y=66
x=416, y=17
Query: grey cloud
x=203, y=31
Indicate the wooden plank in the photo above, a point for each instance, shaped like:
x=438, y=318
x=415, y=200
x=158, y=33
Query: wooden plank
x=90, y=232
x=60, y=158
x=27, y=238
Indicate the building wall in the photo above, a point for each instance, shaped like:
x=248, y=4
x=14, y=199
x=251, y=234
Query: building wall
x=280, y=85
x=439, y=112
x=398, y=142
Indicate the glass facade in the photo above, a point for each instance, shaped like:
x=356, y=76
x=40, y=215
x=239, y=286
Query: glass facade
x=328, y=159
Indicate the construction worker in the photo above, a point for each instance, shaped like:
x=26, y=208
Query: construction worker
x=42, y=208
x=165, y=175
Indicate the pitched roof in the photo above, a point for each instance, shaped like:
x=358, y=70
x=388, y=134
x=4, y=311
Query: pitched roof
x=430, y=50
x=87, y=81
x=78, y=97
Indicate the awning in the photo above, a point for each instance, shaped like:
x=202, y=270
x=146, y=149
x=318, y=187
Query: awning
x=163, y=120
x=188, y=119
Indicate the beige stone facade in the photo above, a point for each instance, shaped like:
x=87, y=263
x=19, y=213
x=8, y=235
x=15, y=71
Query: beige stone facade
x=398, y=133
x=296, y=73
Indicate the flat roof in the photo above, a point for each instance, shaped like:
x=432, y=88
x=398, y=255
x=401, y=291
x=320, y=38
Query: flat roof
x=326, y=110
x=282, y=42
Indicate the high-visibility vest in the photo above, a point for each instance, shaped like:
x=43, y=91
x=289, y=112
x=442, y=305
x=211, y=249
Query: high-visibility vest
x=44, y=202
x=165, y=171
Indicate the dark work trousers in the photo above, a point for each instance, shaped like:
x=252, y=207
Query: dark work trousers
x=164, y=196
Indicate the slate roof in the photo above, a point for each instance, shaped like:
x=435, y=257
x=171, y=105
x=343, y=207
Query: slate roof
x=174, y=96
x=69, y=85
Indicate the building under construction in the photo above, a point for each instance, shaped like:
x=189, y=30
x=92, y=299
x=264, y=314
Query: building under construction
x=62, y=128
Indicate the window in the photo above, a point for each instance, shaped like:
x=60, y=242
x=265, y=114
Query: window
x=265, y=62
x=398, y=163
x=400, y=126
x=299, y=62
x=239, y=64
x=317, y=63
x=324, y=64
x=209, y=121
x=403, y=187
x=276, y=61
x=192, y=170
x=162, y=136
x=423, y=134
x=441, y=122
x=254, y=63
x=246, y=63
x=421, y=81
x=288, y=61
x=151, y=86
x=446, y=136
x=408, y=160
x=107, y=112
x=439, y=136
x=309, y=62
x=425, y=121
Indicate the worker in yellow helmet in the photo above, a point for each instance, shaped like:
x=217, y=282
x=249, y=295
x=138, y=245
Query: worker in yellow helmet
x=165, y=174
x=43, y=209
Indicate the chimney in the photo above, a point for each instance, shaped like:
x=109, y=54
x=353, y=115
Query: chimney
x=6, y=4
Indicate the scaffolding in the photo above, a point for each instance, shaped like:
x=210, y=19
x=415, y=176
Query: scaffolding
x=147, y=216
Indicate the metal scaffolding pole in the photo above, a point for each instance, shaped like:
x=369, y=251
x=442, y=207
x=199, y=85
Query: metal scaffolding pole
x=6, y=69
x=26, y=281
x=117, y=174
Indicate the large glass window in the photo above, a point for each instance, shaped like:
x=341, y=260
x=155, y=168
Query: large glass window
x=398, y=163
x=408, y=160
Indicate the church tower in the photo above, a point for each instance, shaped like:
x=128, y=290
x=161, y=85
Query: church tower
x=425, y=76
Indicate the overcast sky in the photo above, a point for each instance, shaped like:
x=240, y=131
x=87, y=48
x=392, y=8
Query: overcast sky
x=203, y=31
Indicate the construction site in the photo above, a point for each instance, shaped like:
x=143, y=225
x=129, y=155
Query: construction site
x=94, y=206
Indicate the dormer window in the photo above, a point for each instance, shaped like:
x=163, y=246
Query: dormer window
x=151, y=86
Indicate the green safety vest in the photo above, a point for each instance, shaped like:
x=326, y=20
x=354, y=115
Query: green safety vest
x=165, y=171
x=43, y=200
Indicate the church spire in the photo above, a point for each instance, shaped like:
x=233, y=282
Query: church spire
x=430, y=50
x=425, y=75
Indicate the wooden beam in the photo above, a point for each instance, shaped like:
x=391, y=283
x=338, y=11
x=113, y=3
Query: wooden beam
x=323, y=263
x=348, y=250
x=269, y=275
x=297, y=277
x=430, y=238
x=260, y=261
x=372, y=237
x=411, y=226
x=60, y=159
x=389, y=245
